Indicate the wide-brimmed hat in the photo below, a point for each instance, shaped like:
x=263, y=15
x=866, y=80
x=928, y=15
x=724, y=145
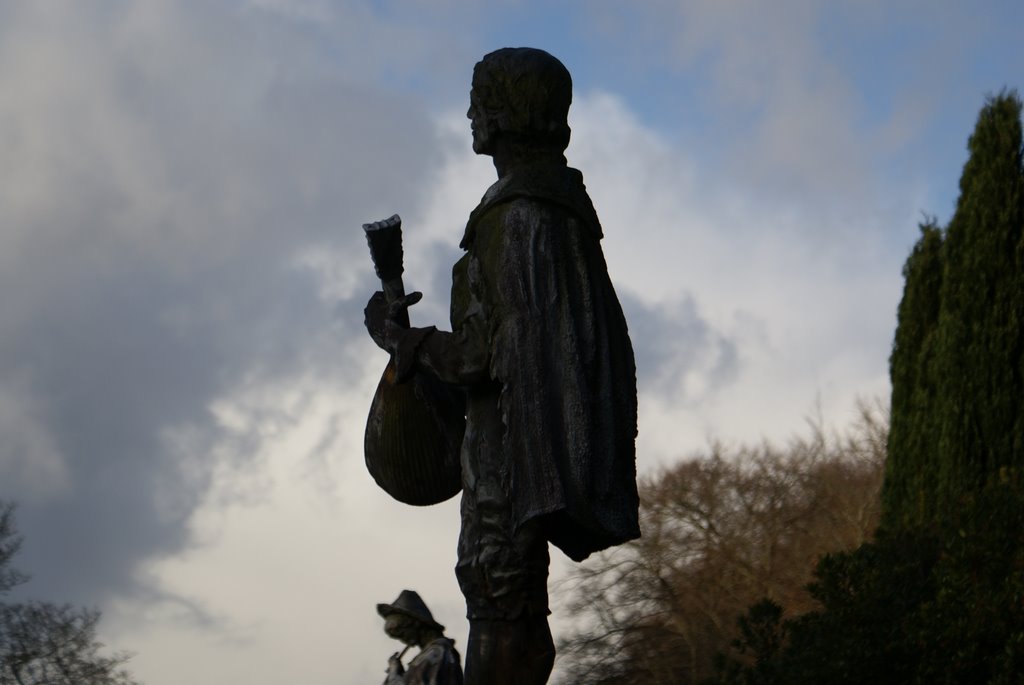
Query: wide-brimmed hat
x=409, y=603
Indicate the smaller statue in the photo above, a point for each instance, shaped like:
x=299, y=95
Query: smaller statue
x=409, y=620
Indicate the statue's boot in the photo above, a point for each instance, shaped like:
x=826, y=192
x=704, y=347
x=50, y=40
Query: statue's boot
x=518, y=652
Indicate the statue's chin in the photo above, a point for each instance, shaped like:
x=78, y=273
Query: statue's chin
x=480, y=146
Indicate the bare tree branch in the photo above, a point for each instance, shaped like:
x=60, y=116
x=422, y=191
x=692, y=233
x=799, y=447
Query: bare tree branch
x=42, y=643
x=720, y=532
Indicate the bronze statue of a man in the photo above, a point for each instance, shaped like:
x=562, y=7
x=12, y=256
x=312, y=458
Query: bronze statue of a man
x=539, y=345
x=409, y=620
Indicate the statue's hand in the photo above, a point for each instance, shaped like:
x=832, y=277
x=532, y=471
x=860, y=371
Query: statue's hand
x=382, y=319
x=398, y=307
x=395, y=665
x=375, y=318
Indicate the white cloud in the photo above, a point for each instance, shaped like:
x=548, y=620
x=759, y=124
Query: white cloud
x=807, y=303
x=174, y=176
x=778, y=105
x=293, y=546
x=31, y=463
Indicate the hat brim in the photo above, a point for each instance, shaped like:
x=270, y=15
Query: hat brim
x=386, y=610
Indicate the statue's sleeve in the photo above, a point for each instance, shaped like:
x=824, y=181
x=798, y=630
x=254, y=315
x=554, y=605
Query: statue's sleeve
x=462, y=356
x=459, y=357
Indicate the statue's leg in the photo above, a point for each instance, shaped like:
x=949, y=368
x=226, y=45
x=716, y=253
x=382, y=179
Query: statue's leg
x=502, y=570
x=505, y=584
x=517, y=652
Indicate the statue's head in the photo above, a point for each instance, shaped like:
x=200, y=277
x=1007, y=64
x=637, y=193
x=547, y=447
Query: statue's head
x=408, y=619
x=523, y=95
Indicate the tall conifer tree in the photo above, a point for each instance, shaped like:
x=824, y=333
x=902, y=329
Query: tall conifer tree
x=957, y=366
x=980, y=356
x=910, y=479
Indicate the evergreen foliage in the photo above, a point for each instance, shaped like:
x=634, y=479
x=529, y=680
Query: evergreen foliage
x=957, y=365
x=938, y=596
x=981, y=324
x=912, y=438
x=942, y=605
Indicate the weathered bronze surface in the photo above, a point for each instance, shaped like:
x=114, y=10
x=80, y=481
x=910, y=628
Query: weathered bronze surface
x=540, y=349
x=409, y=620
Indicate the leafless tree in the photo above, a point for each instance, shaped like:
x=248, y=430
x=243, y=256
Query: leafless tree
x=42, y=643
x=721, y=531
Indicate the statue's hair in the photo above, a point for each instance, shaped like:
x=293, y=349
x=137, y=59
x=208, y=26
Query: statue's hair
x=526, y=93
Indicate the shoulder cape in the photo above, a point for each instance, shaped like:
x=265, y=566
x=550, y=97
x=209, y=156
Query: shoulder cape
x=561, y=350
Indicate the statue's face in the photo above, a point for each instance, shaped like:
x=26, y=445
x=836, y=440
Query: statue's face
x=482, y=126
x=401, y=628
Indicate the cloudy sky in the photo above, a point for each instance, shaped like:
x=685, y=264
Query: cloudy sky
x=184, y=375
